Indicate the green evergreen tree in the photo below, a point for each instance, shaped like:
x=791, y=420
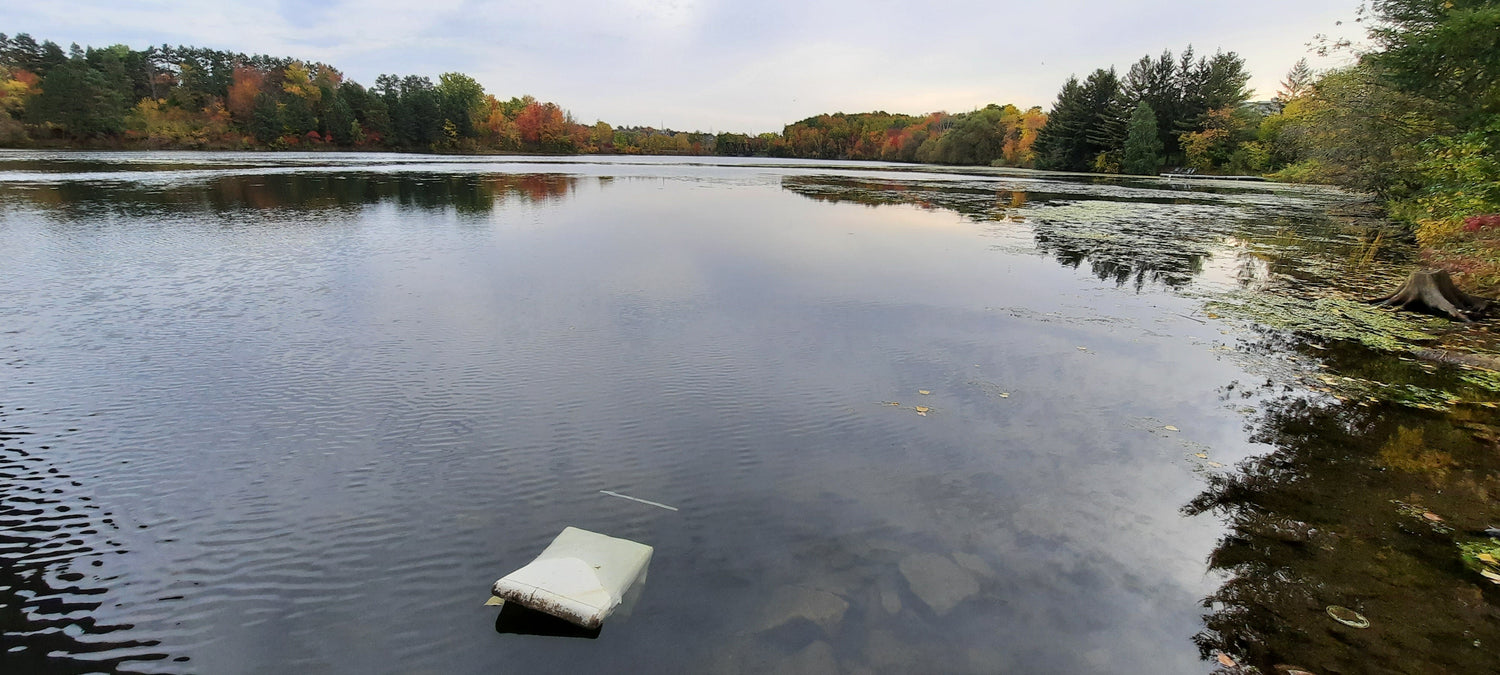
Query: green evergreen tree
x=337, y=118
x=1054, y=143
x=1071, y=140
x=298, y=116
x=1143, y=147
x=265, y=121
x=81, y=100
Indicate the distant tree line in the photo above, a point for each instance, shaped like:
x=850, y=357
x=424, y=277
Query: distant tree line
x=191, y=97
x=991, y=135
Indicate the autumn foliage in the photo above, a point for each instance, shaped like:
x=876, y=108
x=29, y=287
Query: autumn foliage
x=166, y=97
x=248, y=83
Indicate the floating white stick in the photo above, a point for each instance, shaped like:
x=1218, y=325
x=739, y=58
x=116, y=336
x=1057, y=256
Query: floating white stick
x=638, y=499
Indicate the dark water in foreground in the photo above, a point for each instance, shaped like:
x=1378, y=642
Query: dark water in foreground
x=297, y=412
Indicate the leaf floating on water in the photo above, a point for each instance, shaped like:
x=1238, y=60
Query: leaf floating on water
x=1487, y=558
x=1215, y=465
x=1083, y=349
x=890, y=403
x=923, y=392
x=1004, y=394
x=1225, y=661
x=922, y=409
x=1347, y=616
x=1171, y=428
x=1491, y=576
x=1201, y=455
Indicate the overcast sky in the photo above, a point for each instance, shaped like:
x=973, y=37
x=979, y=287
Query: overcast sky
x=716, y=64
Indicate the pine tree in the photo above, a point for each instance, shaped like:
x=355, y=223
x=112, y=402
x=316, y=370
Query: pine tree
x=1072, y=138
x=265, y=120
x=81, y=100
x=1142, y=145
x=1297, y=84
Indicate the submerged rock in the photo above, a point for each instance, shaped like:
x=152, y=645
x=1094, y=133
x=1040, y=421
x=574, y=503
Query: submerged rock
x=974, y=563
x=790, y=603
x=814, y=659
x=938, y=581
x=887, y=652
x=890, y=598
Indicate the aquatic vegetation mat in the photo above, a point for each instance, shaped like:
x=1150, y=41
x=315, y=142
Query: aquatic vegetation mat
x=1330, y=324
x=1482, y=557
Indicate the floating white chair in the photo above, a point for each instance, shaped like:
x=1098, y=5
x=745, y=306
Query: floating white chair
x=581, y=577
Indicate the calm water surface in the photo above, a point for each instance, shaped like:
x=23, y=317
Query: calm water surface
x=297, y=412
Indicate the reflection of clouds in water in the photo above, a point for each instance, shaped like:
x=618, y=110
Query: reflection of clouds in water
x=462, y=361
x=1235, y=266
x=1050, y=486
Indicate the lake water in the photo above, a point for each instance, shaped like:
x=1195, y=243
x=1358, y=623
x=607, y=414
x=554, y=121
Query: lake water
x=296, y=412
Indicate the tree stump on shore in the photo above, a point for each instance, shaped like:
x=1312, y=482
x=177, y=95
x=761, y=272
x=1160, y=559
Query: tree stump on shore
x=1433, y=291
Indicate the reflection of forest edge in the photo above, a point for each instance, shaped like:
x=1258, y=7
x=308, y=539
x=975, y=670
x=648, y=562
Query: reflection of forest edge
x=1141, y=236
x=467, y=193
x=1360, y=507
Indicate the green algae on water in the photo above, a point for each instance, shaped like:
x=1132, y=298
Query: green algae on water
x=1333, y=318
x=1330, y=320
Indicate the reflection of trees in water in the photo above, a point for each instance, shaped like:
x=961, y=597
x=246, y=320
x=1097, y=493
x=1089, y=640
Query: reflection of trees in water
x=1139, y=238
x=1335, y=516
x=979, y=203
x=466, y=193
x=49, y=549
x=1117, y=251
x=1131, y=253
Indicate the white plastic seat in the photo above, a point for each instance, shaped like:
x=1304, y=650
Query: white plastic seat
x=581, y=577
